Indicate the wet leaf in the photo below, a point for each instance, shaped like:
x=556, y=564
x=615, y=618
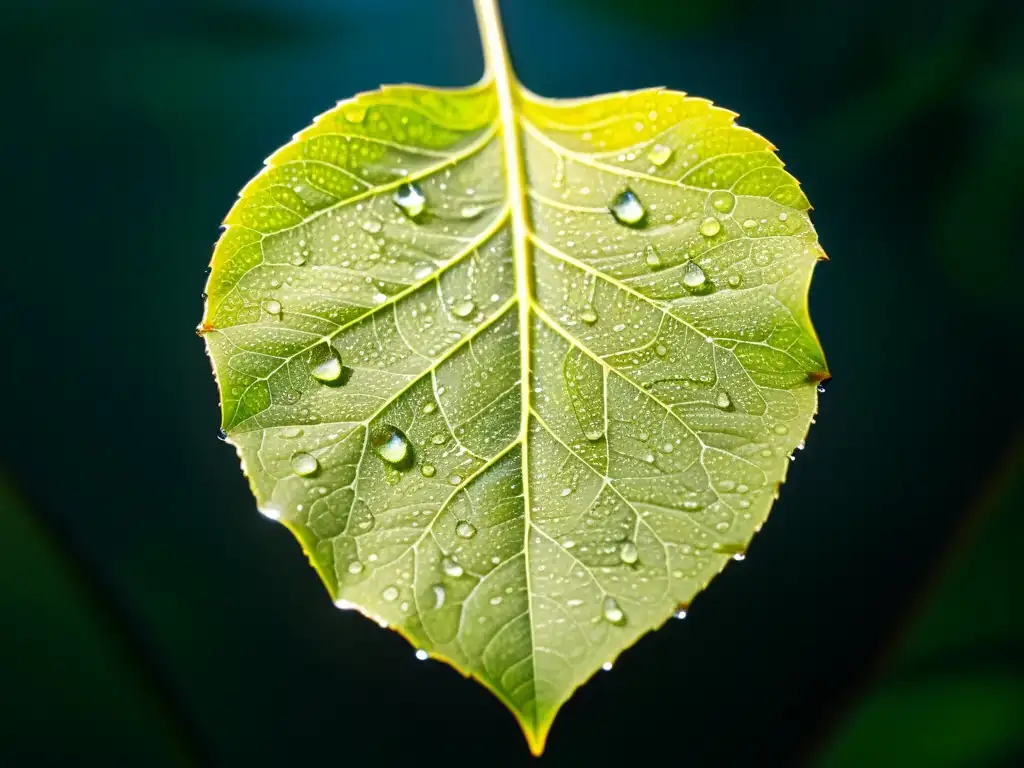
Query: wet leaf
x=646, y=261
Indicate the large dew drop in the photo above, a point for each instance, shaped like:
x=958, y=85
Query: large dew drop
x=451, y=567
x=465, y=530
x=627, y=208
x=693, y=276
x=304, y=464
x=612, y=612
x=628, y=553
x=588, y=315
x=410, y=199
x=659, y=155
x=710, y=226
x=392, y=445
x=463, y=308
x=651, y=257
x=326, y=364
x=723, y=400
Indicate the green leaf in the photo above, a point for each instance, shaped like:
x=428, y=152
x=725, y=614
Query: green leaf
x=645, y=259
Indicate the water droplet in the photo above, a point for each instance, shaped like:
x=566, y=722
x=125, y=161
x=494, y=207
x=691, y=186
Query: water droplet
x=710, y=227
x=607, y=666
x=298, y=260
x=821, y=389
x=390, y=594
x=428, y=470
x=422, y=655
x=272, y=307
x=652, y=258
x=627, y=208
x=356, y=113
x=429, y=407
x=781, y=429
x=270, y=512
x=326, y=363
x=304, y=464
x=496, y=600
x=693, y=275
x=588, y=315
x=680, y=614
x=355, y=567
x=659, y=154
x=440, y=595
x=723, y=400
x=735, y=280
x=471, y=211
x=783, y=216
x=749, y=224
x=612, y=612
x=565, y=492
x=373, y=226
x=465, y=529
x=455, y=480
x=628, y=553
x=451, y=567
x=739, y=556
x=661, y=350
x=463, y=308
x=723, y=201
x=593, y=435
x=392, y=445
x=410, y=199
x=439, y=439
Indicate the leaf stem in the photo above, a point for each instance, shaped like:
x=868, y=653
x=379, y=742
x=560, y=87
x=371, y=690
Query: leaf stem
x=498, y=67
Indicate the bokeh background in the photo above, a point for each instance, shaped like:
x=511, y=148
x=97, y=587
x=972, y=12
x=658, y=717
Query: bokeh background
x=150, y=617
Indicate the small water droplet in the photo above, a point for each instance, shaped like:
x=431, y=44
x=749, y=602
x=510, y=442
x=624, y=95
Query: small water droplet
x=390, y=594
x=627, y=208
x=440, y=595
x=355, y=113
x=693, y=275
x=326, y=363
x=680, y=614
x=465, y=530
x=821, y=389
x=783, y=216
x=455, y=480
x=439, y=439
x=612, y=612
x=593, y=435
x=710, y=227
x=410, y=199
x=588, y=315
x=429, y=407
x=270, y=512
x=451, y=567
x=734, y=281
x=355, y=567
x=496, y=600
x=428, y=470
x=628, y=553
x=651, y=257
x=739, y=556
x=298, y=260
x=463, y=308
x=272, y=307
x=659, y=154
x=471, y=211
x=749, y=224
x=661, y=350
x=607, y=666
x=781, y=429
x=722, y=201
x=304, y=464
x=392, y=445
x=723, y=400
x=373, y=226
x=422, y=655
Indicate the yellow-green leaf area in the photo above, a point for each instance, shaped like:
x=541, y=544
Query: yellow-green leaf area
x=521, y=375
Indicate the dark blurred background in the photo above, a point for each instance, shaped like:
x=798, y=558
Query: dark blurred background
x=151, y=617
